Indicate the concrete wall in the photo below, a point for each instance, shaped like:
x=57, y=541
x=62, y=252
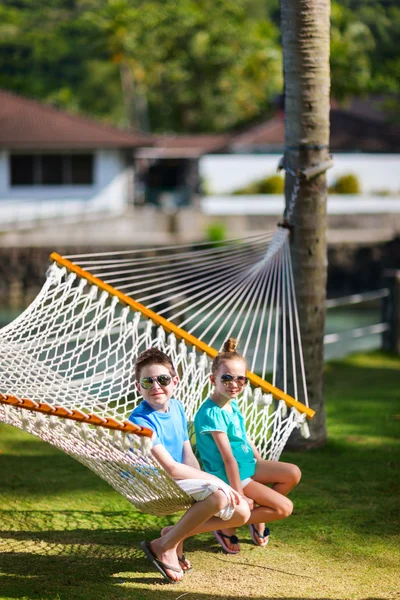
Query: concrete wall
x=352, y=268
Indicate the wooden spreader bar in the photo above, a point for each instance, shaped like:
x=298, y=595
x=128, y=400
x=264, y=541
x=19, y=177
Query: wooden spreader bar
x=180, y=333
x=76, y=415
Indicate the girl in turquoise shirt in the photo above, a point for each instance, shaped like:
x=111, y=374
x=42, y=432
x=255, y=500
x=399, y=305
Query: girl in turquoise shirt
x=227, y=453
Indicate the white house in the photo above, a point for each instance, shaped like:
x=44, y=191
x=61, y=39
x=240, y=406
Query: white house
x=364, y=146
x=54, y=164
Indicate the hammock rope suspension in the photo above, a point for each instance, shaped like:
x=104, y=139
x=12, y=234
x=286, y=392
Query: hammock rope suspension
x=66, y=366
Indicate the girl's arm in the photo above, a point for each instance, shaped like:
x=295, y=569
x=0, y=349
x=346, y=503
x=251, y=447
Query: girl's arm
x=231, y=466
x=255, y=449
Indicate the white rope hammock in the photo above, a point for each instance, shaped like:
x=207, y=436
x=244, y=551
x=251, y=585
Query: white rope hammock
x=66, y=363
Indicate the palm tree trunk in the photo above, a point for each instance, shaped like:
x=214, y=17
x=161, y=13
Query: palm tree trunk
x=305, y=37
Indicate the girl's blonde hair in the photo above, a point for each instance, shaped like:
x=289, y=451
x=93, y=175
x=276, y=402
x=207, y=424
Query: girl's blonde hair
x=228, y=352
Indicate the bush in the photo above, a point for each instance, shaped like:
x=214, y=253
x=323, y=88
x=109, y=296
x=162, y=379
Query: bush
x=216, y=232
x=346, y=184
x=274, y=184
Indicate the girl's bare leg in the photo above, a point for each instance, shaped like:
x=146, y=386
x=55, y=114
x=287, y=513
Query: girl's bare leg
x=283, y=477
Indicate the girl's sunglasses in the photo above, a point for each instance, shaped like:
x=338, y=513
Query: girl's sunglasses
x=240, y=380
x=163, y=380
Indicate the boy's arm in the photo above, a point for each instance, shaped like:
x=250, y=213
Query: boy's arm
x=178, y=470
x=189, y=457
x=230, y=462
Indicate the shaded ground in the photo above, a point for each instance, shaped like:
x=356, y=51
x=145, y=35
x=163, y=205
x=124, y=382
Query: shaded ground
x=65, y=535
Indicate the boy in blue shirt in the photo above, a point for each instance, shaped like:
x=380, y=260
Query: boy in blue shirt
x=217, y=504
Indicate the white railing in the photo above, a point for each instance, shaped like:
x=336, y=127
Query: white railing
x=357, y=332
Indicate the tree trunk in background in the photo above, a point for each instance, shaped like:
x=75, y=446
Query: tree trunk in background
x=135, y=101
x=305, y=39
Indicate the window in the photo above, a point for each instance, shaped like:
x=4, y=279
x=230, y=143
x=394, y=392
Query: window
x=22, y=169
x=51, y=169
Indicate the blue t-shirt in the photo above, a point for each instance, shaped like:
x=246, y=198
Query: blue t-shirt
x=210, y=417
x=170, y=427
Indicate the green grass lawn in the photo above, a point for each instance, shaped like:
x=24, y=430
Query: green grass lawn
x=66, y=535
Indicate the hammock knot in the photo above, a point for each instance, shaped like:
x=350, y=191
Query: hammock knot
x=69, y=427
x=133, y=441
x=103, y=298
x=283, y=408
x=40, y=421
x=247, y=394
x=56, y=272
x=71, y=278
x=172, y=342
x=266, y=400
x=85, y=432
x=146, y=445
x=124, y=315
x=257, y=396
x=25, y=421
x=160, y=335
x=114, y=301
x=136, y=319
x=305, y=430
x=53, y=422
x=94, y=290
x=117, y=437
x=182, y=349
x=192, y=358
x=301, y=423
x=203, y=361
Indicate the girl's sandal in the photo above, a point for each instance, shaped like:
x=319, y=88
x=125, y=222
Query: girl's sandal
x=232, y=538
x=261, y=536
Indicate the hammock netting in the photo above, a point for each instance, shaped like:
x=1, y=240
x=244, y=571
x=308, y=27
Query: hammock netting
x=71, y=353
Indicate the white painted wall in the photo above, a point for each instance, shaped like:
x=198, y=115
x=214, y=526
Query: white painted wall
x=225, y=173
x=109, y=192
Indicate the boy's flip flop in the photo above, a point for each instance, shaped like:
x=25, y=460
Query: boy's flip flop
x=182, y=560
x=232, y=538
x=158, y=564
x=261, y=536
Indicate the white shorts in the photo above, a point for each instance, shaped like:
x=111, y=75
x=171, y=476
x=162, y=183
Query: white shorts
x=244, y=482
x=200, y=489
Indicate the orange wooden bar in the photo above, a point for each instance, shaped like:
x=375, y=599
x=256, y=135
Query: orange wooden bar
x=76, y=415
x=180, y=333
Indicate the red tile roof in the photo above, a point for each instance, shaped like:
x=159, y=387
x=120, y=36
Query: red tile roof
x=349, y=132
x=28, y=124
x=185, y=146
x=268, y=134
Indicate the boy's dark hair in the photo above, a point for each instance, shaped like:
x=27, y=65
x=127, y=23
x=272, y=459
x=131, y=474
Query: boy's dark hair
x=153, y=356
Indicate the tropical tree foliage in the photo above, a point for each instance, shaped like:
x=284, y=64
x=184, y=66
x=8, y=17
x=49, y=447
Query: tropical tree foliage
x=182, y=65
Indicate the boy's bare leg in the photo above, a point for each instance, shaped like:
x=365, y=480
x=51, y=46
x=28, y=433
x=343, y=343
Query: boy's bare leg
x=184, y=564
x=198, y=519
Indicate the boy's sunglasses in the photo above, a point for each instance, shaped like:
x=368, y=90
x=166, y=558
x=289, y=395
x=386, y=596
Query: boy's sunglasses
x=163, y=380
x=240, y=380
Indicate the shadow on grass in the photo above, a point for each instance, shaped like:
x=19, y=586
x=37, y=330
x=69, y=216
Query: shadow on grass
x=88, y=564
